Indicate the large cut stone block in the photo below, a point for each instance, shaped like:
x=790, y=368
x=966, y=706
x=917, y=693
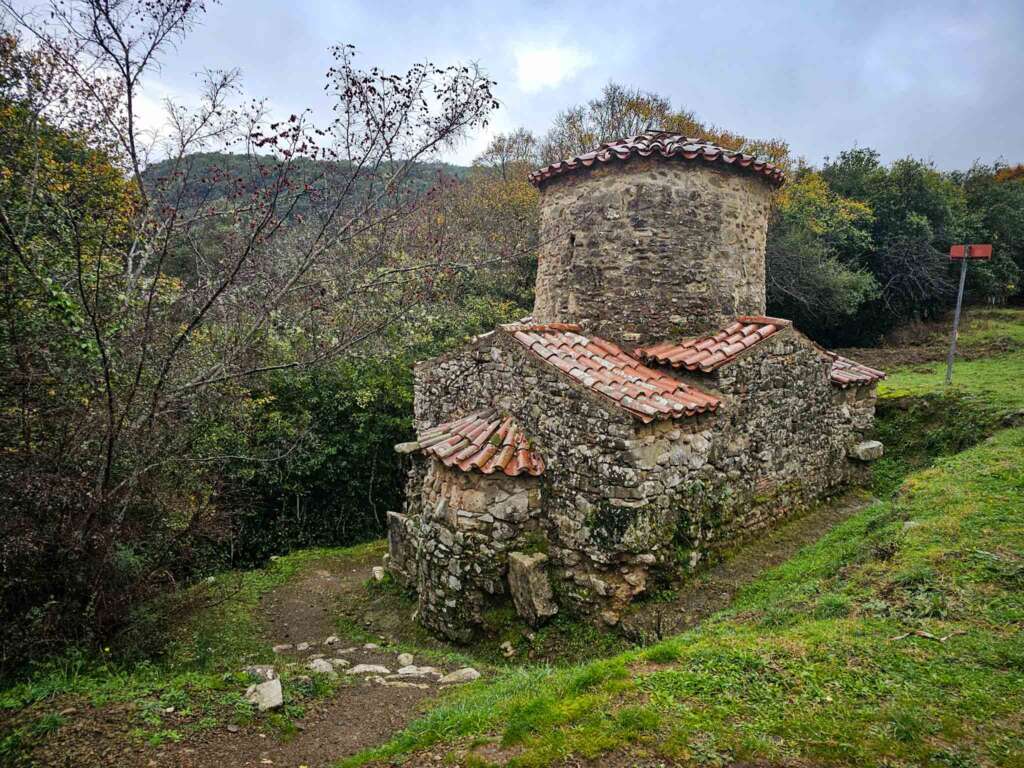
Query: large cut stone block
x=402, y=548
x=869, y=450
x=530, y=587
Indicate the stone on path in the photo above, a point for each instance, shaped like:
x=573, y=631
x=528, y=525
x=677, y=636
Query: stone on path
x=283, y=647
x=323, y=666
x=266, y=695
x=412, y=671
x=378, y=573
x=405, y=659
x=464, y=675
x=303, y=647
x=368, y=669
x=397, y=683
x=869, y=450
x=332, y=640
x=340, y=663
x=530, y=587
x=262, y=672
x=371, y=647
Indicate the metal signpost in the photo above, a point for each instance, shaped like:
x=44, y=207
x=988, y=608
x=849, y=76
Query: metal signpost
x=963, y=254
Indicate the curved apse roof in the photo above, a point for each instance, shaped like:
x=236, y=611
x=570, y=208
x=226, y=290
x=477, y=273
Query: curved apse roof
x=665, y=145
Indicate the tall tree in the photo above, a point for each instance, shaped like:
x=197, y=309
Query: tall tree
x=620, y=112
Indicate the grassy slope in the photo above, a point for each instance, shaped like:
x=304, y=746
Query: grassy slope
x=813, y=661
x=806, y=663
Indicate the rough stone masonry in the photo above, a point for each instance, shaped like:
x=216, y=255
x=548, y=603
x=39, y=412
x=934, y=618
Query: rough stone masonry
x=645, y=417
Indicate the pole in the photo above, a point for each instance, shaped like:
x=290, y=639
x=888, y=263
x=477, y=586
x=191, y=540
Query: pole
x=956, y=317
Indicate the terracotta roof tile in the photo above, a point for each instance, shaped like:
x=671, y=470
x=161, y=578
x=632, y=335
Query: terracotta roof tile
x=661, y=144
x=606, y=369
x=710, y=352
x=484, y=441
x=846, y=372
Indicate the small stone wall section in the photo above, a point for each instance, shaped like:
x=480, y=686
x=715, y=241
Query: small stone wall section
x=649, y=249
x=453, y=545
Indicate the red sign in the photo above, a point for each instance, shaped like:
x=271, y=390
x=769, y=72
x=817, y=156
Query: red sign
x=960, y=252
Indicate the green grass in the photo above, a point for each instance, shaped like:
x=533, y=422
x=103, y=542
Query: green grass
x=992, y=326
x=813, y=662
x=995, y=378
x=998, y=379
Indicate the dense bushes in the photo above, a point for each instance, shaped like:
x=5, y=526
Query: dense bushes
x=321, y=468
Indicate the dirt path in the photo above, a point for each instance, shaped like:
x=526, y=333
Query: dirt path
x=716, y=588
x=363, y=712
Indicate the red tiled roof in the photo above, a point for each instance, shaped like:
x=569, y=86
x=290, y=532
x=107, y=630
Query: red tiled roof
x=710, y=352
x=846, y=372
x=483, y=441
x=661, y=144
x=604, y=368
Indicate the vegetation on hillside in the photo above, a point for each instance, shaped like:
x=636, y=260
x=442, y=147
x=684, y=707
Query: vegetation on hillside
x=139, y=400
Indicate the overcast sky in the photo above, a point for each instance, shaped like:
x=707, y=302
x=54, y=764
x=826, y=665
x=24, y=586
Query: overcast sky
x=938, y=80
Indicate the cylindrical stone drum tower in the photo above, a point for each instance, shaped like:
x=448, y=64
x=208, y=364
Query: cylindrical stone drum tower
x=652, y=238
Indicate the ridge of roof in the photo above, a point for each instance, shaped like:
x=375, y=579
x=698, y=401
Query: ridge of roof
x=663, y=144
x=604, y=368
x=482, y=441
x=711, y=351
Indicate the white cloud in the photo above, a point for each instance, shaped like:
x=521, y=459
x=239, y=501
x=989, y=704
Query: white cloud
x=548, y=67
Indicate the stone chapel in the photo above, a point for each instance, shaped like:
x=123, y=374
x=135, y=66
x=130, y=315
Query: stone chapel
x=648, y=413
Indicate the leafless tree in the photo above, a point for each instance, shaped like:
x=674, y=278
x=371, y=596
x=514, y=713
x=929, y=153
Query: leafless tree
x=308, y=245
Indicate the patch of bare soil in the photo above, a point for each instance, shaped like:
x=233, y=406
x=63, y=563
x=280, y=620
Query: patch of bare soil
x=304, y=610
x=356, y=717
x=714, y=589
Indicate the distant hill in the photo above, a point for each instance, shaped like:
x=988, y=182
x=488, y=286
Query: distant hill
x=213, y=175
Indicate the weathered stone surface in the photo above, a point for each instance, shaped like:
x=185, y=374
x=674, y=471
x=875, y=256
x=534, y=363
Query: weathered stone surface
x=646, y=250
x=530, y=587
x=368, y=669
x=658, y=250
x=869, y=450
x=405, y=659
x=283, y=648
x=266, y=695
x=464, y=675
x=414, y=671
x=321, y=666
